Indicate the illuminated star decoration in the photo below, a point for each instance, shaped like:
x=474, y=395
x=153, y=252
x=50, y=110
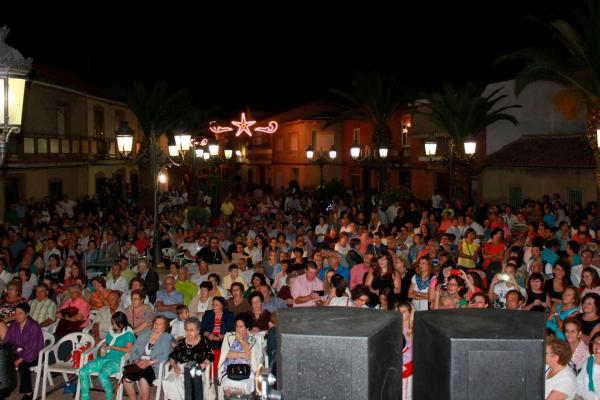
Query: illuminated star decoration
x=243, y=126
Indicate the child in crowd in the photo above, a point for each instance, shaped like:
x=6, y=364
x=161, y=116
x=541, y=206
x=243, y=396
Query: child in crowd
x=178, y=324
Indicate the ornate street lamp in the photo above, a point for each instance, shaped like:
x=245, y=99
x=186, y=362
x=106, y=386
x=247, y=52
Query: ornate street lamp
x=14, y=69
x=430, y=148
x=470, y=146
x=213, y=147
x=310, y=153
x=124, y=136
x=355, y=150
x=383, y=152
x=332, y=153
x=228, y=151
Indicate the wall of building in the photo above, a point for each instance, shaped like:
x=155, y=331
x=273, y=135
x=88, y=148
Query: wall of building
x=538, y=114
x=289, y=153
x=41, y=106
x=534, y=183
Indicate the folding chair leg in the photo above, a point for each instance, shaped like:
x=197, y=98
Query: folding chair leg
x=36, y=387
x=78, y=390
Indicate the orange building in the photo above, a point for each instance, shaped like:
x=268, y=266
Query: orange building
x=276, y=159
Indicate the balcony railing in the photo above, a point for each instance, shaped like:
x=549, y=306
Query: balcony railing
x=29, y=147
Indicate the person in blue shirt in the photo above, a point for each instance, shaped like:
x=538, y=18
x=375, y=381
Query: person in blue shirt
x=119, y=341
x=334, y=260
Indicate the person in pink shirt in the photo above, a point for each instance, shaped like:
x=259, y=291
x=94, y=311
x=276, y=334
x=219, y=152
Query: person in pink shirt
x=307, y=289
x=74, y=314
x=358, y=272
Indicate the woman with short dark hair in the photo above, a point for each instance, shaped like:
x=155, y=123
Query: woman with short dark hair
x=192, y=348
x=27, y=340
x=215, y=324
x=260, y=316
x=119, y=340
x=202, y=301
x=239, y=349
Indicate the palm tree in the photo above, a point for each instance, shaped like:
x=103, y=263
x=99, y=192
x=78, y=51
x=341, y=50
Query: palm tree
x=573, y=63
x=374, y=96
x=460, y=113
x=158, y=111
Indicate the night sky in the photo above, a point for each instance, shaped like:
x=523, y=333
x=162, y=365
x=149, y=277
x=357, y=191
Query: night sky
x=271, y=62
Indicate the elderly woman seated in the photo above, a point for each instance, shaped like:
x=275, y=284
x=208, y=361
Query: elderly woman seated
x=241, y=347
x=150, y=349
x=192, y=348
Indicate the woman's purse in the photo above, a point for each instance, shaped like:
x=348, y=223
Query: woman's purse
x=238, y=372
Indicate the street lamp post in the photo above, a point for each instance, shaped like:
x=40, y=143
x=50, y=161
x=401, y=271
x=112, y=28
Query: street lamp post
x=369, y=159
x=14, y=69
x=321, y=160
x=470, y=147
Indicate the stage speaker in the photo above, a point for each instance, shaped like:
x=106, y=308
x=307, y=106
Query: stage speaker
x=341, y=353
x=479, y=354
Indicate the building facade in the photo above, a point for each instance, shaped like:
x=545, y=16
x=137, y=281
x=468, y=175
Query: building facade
x=67, y=141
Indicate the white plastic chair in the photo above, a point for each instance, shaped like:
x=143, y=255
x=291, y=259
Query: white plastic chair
x=257, y=359
x=51, y=328
x=96, y=352
x=39, y=368
x=65, y=368
x=157, y=382
x=206, y=384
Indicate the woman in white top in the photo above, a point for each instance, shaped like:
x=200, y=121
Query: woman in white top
x=337, y=292
x=202, y=301
x=588, y=380
x=321, y=230
x=560, y=379
x=420, y=284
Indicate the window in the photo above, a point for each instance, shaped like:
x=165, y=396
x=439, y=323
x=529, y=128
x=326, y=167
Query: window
x=258, y=139
x=294, y=142
x=356, y=135
x=313, y=138
x=515, y=196
x=99, y=122
x=119, y=117
x=279, y=143
x=575, y=196
x=63, y=119
x=295, y=174
x=404, y=137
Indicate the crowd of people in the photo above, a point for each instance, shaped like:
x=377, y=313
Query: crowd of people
x=284, y=250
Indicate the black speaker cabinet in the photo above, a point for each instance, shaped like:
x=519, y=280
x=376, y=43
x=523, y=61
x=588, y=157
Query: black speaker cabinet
x=479, y=354
x=339, y=353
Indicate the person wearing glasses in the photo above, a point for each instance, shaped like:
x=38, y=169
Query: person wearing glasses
x=588, y=380
x=360, y=296
x=560, y=379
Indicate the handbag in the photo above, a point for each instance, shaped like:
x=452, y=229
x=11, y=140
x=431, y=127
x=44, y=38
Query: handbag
x=238, y=372
x=77, y=355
